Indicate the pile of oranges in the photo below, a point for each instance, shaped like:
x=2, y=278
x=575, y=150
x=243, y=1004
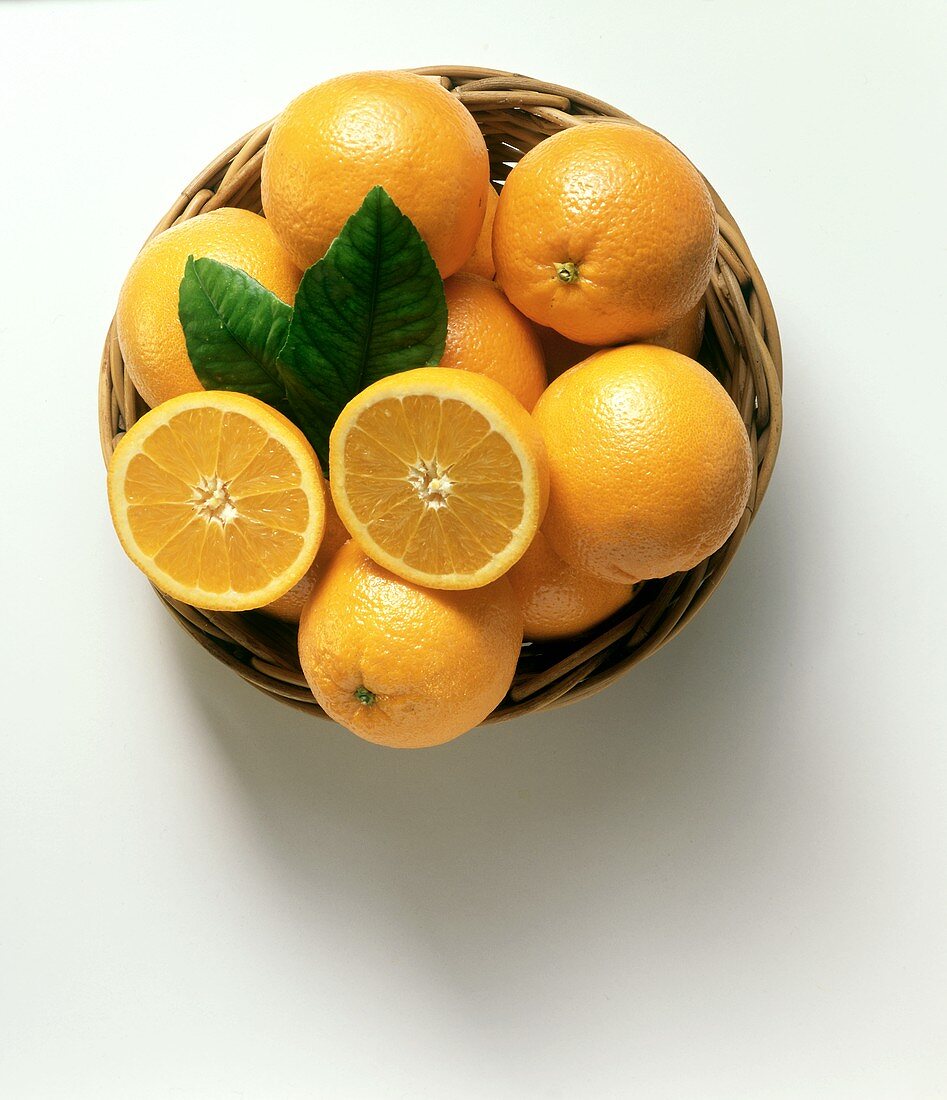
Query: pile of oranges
x=566, y=447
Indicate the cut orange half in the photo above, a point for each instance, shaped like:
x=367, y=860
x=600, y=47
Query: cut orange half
x=439, y=475
x=218, y=499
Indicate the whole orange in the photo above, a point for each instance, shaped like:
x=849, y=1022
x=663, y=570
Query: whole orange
x=480, y=262
x=605, y=232
x=149, y=331
x=486, y=335
x=684, y=336
x=337, y=141
x=288, y=607
x=558, y=600
x=649, y=463
x=402, y=665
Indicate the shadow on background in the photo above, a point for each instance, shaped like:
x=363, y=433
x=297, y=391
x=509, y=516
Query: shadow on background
x=476, y=848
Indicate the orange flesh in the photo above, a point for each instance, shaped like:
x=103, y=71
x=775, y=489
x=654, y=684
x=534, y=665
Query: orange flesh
x=433, y=484
x=216, y=503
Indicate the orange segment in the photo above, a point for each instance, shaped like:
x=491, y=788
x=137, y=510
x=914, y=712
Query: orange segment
x=218, y=499
x=439, y=475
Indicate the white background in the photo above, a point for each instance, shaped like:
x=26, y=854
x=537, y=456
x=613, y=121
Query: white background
x=724, y=877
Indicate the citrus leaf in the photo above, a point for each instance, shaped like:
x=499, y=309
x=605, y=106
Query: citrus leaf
x=372, y=306
x=234, y=329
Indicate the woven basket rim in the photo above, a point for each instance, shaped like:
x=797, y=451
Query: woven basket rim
x=742, y=344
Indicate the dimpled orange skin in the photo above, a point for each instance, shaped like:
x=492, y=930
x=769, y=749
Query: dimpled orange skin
x=288, y=608
x=430, y=664
x=480, y=262
x=486, y=335
x=149, y=331
x=649, y=462
x=559, y=601
x=684, y=336
x=401, y=131
x=626, y=217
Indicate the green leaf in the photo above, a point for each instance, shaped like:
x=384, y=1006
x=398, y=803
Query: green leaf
x=234, y=329
x=372, y=306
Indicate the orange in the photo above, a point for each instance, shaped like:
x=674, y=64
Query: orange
x=402, y=665
x=559, y=352
x=289, y=607
x=684, y=336
x=557, y=600
x=439, y=475
x=649, y=463
x=337, y=141
x=149, y=332
x=485, y=334
x=480, y=261
x=218, y=499
x=605, y=232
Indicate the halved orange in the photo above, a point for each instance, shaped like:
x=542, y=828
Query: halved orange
x=218, y=499
x=439, y=475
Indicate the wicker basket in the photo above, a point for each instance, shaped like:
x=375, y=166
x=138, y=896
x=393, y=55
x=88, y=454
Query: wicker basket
x=741, y=346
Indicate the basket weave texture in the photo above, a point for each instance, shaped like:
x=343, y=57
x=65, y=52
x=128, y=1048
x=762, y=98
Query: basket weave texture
x=741, y=346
